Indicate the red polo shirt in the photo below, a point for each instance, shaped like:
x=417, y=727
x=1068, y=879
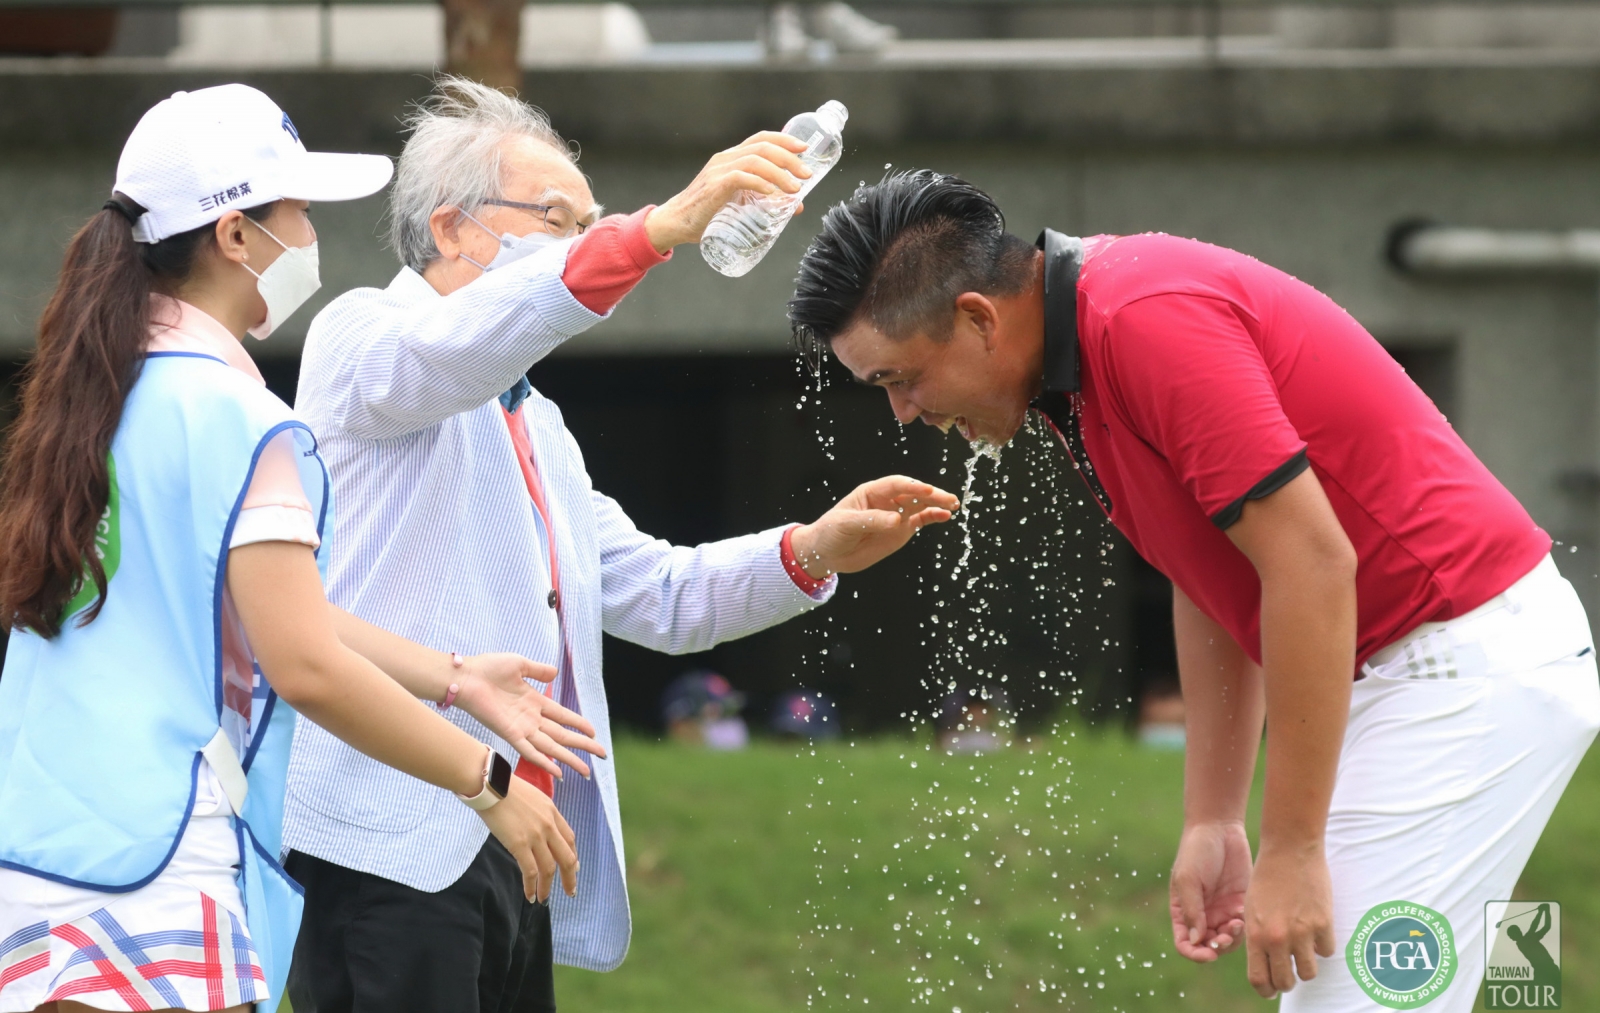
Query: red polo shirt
x=1206, y=374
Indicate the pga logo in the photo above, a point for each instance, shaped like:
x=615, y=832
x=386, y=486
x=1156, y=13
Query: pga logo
x=1403, y=955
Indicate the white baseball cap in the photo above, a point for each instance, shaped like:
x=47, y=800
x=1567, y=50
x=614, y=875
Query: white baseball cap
x=199, y=154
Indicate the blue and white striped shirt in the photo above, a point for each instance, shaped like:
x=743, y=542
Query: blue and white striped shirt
x=436, y=539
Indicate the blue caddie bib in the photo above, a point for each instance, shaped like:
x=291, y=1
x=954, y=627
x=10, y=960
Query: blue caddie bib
x=102, y=728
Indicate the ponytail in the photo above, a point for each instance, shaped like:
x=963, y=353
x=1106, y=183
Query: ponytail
x=55, y=476
x=55, y=479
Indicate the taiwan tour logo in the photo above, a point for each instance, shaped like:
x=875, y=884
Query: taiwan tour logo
x=1402, y=955
x=1522, y=954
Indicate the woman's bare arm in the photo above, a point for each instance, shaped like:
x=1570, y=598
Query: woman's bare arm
x=278, y=592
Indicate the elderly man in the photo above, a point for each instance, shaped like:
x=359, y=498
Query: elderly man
x=1342, y=567
x=465, y=519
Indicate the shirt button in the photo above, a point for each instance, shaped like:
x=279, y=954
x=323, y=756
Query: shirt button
x=552, y=599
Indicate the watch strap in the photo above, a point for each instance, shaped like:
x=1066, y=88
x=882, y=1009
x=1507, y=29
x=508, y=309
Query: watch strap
x=496, y=783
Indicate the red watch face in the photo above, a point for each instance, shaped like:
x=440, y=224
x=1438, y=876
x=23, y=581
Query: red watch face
x=500, y=776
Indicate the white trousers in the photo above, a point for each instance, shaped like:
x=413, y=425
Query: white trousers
x=1462, y=737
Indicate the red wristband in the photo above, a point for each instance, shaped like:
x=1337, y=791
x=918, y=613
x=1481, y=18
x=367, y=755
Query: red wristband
x=797, y=573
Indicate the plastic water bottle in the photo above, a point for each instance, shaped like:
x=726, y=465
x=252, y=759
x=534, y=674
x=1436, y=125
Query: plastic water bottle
x=745, y=229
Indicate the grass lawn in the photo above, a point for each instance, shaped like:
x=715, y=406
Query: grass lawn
x=883, y=875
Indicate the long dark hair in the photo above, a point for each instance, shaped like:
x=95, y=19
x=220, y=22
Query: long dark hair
x=55, y=477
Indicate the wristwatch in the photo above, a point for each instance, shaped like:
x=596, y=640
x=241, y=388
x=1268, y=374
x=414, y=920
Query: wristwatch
x=496, y=784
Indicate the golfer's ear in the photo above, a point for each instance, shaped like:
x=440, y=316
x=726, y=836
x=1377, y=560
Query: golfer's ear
x=977, y=314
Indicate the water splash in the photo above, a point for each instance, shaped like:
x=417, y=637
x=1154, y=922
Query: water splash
x=1030, y=579
x=980, y=450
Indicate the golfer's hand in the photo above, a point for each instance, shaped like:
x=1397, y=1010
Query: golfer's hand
x=767, y=163
x=874, y=521
x=527, y=822
x=495, y=690
x=1209, y=880
x=1288, y=914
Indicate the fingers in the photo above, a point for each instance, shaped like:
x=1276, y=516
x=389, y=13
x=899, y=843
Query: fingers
x=1322, y=939
x=1187, y=906
x=779, y=156
x=544, y=747
x=777, y=176
x=932, y=515
x=927, y=493
x=1270, y=969
x=1279, y=966
x=950, y=504
x=572, y=719
x=530, y=826
x=878, y=520
x=1256, y=970
x=1191, y=903
x=1308, y=949
x=906, y=492
x=1197, y=952
x=531, y=751
x=1228, y=938
x=743, y=180
x=538, y=671
x=1305, y=962
x=888, y=488
x=573, y=740
x=782, y=140
x=1200, y=953
x=532, y=881
x=544, y=871
x=557, y=751
x=566, y=856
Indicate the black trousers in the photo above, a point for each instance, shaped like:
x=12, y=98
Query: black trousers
x=371, y=945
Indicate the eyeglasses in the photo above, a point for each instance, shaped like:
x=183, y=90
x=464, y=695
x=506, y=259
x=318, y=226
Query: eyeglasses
x=558, y=221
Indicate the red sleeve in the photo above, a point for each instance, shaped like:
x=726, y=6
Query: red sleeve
x=1194, y=385
x=609, y=259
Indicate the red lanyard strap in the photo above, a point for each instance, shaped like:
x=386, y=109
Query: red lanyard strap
x=1084, y=469
x=537, y=776
x=530, y=475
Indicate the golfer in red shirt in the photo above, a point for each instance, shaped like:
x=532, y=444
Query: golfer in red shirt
x=1344, y=570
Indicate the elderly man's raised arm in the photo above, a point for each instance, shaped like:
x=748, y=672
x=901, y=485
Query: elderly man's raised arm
x=469, y=317
x=386, y=368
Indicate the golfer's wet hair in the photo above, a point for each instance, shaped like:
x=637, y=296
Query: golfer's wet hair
x=898, y=253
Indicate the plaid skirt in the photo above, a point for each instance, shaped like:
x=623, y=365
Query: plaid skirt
x=178, y=942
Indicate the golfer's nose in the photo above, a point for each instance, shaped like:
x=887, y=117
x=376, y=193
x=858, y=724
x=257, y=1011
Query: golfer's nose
x=904, y=410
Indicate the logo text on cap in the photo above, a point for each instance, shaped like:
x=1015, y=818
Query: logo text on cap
x=216, y=200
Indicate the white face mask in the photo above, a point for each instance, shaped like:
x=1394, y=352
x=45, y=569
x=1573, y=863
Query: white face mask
x=286, y=284
x=512, y=248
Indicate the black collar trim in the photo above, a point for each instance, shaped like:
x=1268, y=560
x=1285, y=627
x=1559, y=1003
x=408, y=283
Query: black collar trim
x=1063, y=262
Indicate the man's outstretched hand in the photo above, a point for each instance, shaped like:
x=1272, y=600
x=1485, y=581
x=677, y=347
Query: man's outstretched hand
x=874, y=521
